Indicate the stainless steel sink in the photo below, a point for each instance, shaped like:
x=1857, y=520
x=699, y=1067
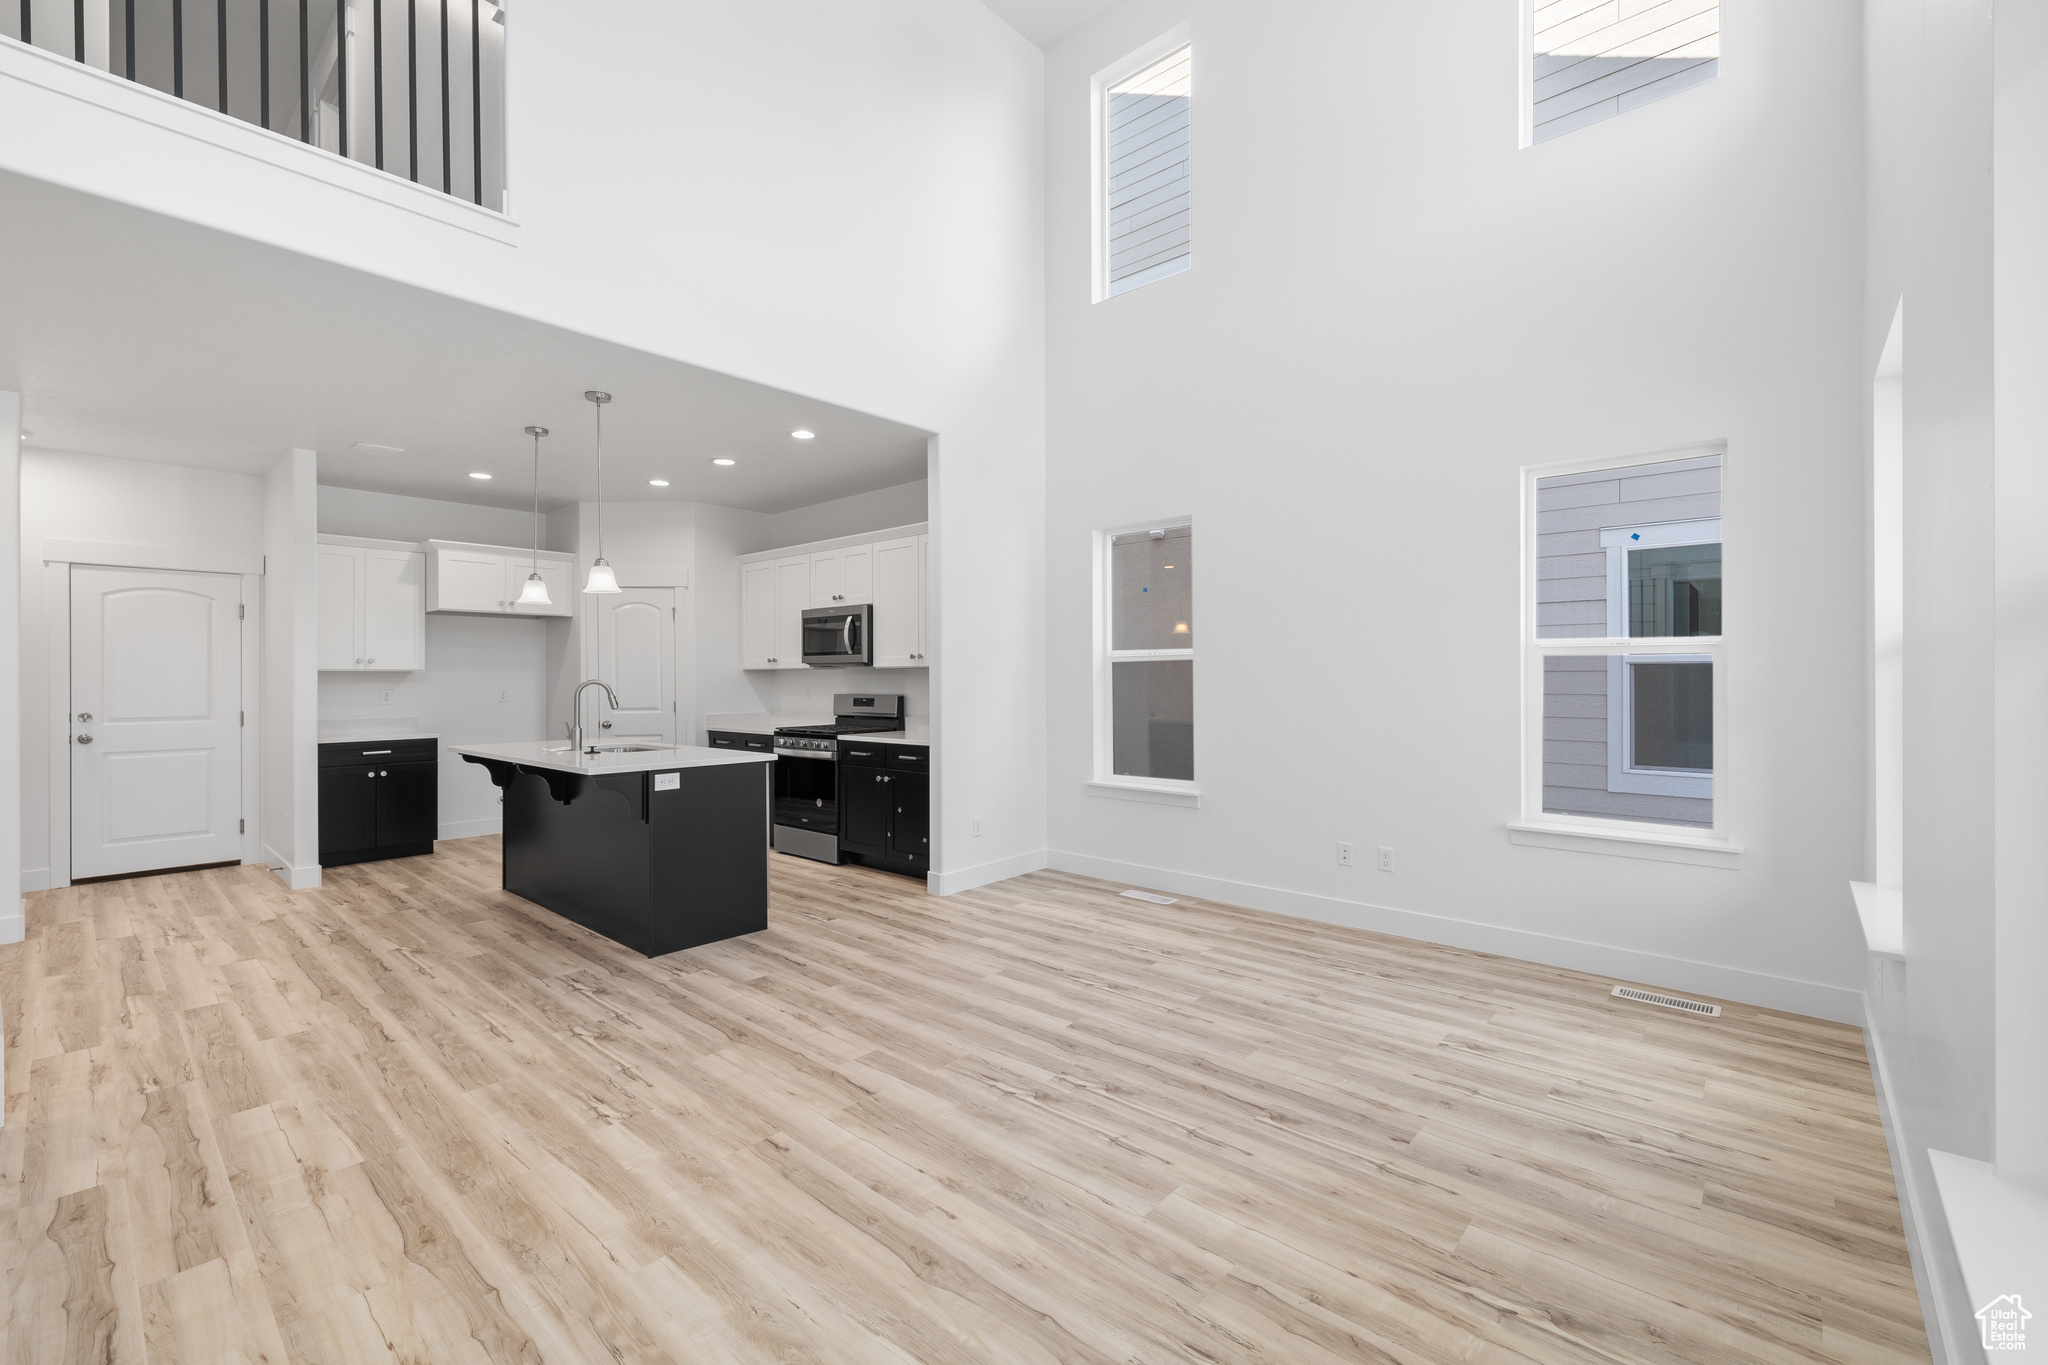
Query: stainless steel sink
x=606, y=748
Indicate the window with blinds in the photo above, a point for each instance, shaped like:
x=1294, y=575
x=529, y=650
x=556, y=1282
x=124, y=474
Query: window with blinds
x=1594, y=59
x=1145, y=167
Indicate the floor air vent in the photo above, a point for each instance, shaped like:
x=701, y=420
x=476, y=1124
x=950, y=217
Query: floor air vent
x=1155, y=898
x=1669, y=1002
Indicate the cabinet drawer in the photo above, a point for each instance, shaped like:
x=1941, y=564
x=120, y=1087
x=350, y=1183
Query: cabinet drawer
x=760, y=744
x=858, y=754
x=377, y=751
x=905, y=758
x=728, y=739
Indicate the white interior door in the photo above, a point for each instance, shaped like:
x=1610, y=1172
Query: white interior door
x=156, y=730
x=636, y=654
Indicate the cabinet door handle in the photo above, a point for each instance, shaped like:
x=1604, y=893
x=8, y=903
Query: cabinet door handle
x=372, y=776
x=386, y=774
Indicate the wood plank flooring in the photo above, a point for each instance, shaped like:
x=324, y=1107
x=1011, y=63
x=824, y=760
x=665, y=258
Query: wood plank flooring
x=410, y=1118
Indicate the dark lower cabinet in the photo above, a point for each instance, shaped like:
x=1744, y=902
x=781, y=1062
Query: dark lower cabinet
x=885, y=811
x=382, y=808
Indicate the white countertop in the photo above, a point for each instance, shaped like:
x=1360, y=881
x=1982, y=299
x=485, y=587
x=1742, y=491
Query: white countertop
x=765, y=722
x=554, y=755
x=768, y=722
x=371, y=734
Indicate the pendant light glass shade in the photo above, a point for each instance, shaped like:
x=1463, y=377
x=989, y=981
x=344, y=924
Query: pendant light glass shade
x=601, y=578
x=534, y=592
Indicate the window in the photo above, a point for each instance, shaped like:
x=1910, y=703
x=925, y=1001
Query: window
x=1593, y=59
x=1146, y=701
x=1625, y=643
x=1143, y=185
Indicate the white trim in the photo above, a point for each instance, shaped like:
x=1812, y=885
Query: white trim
x=1622, y=774
x=297, y=878
x=811, y=547
x=14, y=927
x=984, y=874
x=176, y=559
x=469, y=829
x=1999, y=1229
x=1659, y=843
x=1922, y=1247
x=59, y=75
x=1659, y=535
x=1159, y=793
x=1841, y=1004
x=57, y=719
x=1173, y=40
x=372, y=543
x=35, y=879
x=1881, y=910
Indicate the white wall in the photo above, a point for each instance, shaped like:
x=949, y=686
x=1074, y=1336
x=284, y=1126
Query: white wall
x=289, y=719
x=903, y=505
x=871, y=235
x=12, y=731
x=1343, y=396
x=130, y=502
x=486, y=679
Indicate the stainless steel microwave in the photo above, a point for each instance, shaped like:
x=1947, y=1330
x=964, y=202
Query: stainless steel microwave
x=839, y=637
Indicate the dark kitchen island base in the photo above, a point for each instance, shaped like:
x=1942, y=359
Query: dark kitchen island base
x=657, y=868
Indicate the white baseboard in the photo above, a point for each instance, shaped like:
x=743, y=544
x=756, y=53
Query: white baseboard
x=36, y=879
x=14, y=927
x=469, y=829
x=983, y=874
x=1839, y=1004
x=297, y=878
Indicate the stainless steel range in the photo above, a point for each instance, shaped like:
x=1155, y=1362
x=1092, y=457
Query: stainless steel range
x=807, y=772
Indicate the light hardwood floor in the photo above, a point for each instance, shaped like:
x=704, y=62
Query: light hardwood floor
x=411, y=1118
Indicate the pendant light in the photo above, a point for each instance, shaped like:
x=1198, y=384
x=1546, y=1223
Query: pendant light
x=601, y=578
x=535, y=591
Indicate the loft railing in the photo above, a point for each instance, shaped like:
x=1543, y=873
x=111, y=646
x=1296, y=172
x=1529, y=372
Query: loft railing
x=413, y=87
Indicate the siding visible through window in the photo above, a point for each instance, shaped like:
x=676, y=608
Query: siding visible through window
x=1147, y=167
x=1594, y=59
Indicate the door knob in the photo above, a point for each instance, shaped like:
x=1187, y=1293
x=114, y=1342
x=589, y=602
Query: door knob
x=84, y=716
x=604, y=725
x=85, y=739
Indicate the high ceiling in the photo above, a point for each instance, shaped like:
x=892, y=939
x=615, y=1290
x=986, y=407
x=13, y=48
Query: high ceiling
x=1046, y=22
x=147, y=338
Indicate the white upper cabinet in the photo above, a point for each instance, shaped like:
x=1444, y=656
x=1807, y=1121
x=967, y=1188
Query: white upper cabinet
x=899, y=603
x=842, y=577
x=891, y=574
x=487, y=578
x=757, y=614
x=372, y=605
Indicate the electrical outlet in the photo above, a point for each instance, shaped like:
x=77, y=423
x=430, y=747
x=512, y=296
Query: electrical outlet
x=1386, y=859
x=1343, y=854
x=385, y=696
x=504, y=694
x=977, y=826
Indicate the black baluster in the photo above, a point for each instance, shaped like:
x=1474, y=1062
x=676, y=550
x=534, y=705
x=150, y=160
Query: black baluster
x=341, y=67
x=220, y=33
x=447, y=172
x=78, y=30
x=128, y=60
x=412, y=88
x=476, y=97
x=178, y=48
x=305, y=81
x=377, y=71
x=263, y=62
x=27, y=13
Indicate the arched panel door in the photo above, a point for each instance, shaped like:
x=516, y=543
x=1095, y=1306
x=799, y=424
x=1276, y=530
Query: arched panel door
x=636, y=654
x=156, y=724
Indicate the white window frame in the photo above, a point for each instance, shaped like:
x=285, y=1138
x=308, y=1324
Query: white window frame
x=1623, y=774
x=1715, y=847
x=1105, y=781
x=1098, y=135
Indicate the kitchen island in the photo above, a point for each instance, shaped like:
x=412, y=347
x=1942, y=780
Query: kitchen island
x=657, y=848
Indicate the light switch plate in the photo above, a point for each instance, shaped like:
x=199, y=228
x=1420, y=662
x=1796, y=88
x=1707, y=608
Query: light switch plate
x=668, y=782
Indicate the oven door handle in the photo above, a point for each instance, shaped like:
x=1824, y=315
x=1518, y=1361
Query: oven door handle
x=803, y=753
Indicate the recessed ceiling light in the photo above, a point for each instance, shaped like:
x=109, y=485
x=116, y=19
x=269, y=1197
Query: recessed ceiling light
x=658, y=483
x=479, y=475
x=803, y=435
x=26, y=434
x=723, y=461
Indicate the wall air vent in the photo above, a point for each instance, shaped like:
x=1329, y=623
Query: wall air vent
x=1669, y=1002
x=1153, y=897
